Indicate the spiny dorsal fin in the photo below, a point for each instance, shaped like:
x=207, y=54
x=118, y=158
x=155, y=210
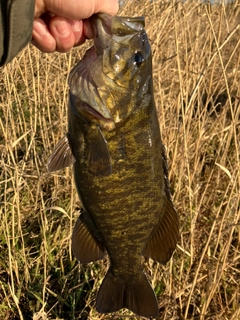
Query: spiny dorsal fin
x=98, y=159
x=87, y=245
x=164, y=238
x=61, y=156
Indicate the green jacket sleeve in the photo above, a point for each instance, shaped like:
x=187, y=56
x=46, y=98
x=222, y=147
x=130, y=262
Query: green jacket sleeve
x=16, y=22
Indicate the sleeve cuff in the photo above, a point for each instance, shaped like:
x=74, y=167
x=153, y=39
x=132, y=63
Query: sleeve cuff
x=19, y=24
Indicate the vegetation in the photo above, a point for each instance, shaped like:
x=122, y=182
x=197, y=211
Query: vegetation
x=196, y=70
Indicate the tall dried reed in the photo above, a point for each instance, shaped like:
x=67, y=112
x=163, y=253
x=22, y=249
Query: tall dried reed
x=196, y=70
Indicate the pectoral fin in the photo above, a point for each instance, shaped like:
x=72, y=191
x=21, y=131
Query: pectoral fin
x=164, y=238
x=87, y=245
x=61, y=156
x=98, y=157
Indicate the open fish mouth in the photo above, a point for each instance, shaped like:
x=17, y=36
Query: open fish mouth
x=106, y=26
x=89, y=86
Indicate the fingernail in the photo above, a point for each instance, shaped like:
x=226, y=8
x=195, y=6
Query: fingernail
x=62, y=28
x=40, y=28
x=76, y=25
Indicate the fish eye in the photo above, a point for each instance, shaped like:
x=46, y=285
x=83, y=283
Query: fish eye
x=138, y=59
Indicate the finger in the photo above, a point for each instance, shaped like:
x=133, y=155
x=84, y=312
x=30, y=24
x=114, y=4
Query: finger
x=62, y=32
x=78, y=31
x=87, y=29
x=77, y=10
x=42, y=37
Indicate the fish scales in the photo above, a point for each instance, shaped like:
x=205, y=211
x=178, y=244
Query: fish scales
x=138, y=201
x=120, y=167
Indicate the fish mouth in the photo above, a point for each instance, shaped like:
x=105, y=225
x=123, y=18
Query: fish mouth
x=105, y=26
x=83, y=85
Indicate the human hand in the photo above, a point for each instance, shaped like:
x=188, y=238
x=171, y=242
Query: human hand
x=59, y=24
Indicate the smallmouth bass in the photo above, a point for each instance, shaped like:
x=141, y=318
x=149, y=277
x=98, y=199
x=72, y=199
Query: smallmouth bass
x=120, y=166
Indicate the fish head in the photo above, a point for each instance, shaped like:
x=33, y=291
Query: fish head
x=115, y=75
x=124, y=52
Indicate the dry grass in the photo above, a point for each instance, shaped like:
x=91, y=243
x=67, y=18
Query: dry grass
x=196, y=68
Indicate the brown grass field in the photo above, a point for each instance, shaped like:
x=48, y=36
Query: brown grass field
x=196, y=70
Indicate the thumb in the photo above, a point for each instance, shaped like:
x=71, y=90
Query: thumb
x=76, y=9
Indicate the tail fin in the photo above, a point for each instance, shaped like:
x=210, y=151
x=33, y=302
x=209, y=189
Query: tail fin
x=136, y=295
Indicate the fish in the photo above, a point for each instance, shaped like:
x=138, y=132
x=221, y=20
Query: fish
x=119, y=164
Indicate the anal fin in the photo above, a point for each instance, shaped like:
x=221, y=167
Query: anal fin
x=164, y=237
x=61, y=156
x=87, y=245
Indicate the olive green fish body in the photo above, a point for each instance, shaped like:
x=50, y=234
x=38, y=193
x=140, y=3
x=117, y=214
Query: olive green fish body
x=126, y=205
x=120, y=166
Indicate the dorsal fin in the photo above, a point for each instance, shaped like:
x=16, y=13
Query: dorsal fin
x=164, y=238
x=165, y=235
x=61, y=156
